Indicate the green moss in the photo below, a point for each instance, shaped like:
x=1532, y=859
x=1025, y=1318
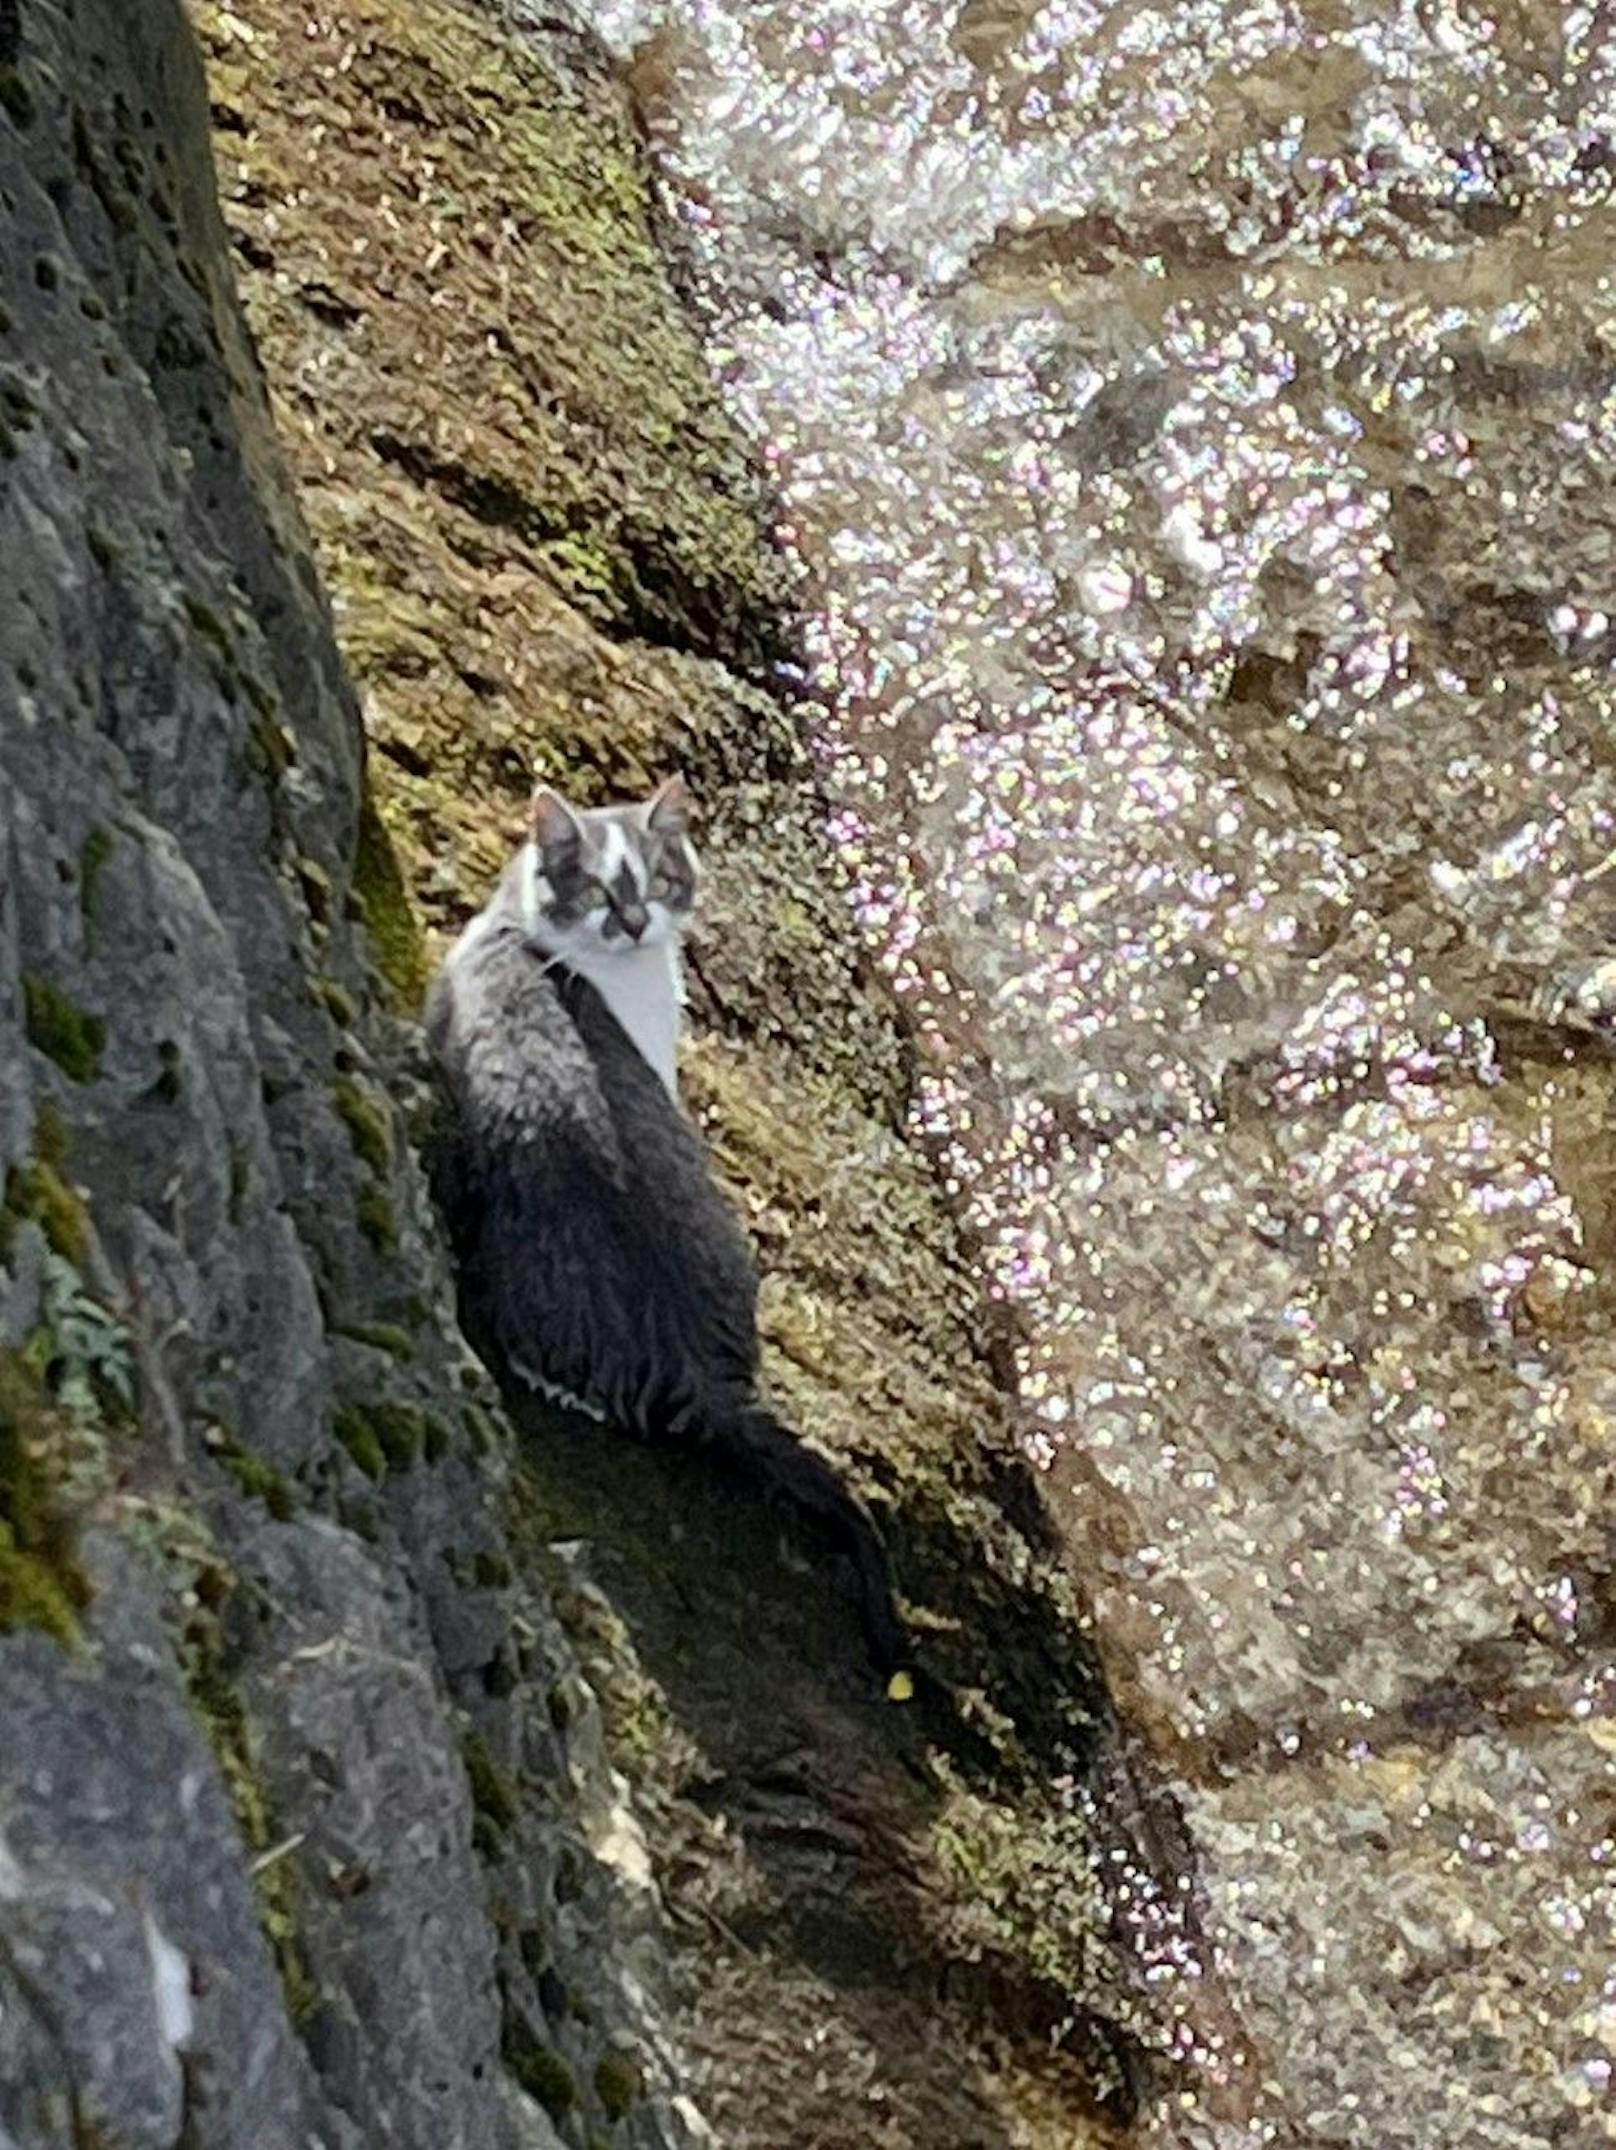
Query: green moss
x=401, y=1430
x=1023, y=1884
x=492, y=1792
x=480, y=1426
x=543, y=2074
x=366, y=1123
x=315, y=883
x=395, y=933
x=50, y=1134
x=379, y=1335
x=358, y=1437
x=94, y=852
x=73, y=1039
x=105, y=550
x=269, y=744
x=339, y=1002
x=207, y=623
x=492, y=1571
x=224, y=1719
x=377, y=1220
x=33, y=1595
x=259, y=1479
x=618, y=2084
x=41, y=1583
x=16, y=98
x=384, y=1435
x=36, y=1192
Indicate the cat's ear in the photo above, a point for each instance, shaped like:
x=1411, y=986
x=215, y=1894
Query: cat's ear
x=553, y=822
x=669, y=810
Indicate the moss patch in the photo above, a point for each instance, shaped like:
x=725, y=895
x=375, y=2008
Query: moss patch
x=359, y=1438
x=225, y=1720
x=208, y=625
x=260, y=1480
x=570, y=481
x=389, y=916
x=16, y=98
x=377, y=1220
x=379, y=1335
x=401, y=1430
x=339, y=1002
x=492, y=1793
x=68, y=1035
x=542, y=2073
x=618, y=2085
x=315, y=883
x=41, y=1584
x=36, y=1192
x=366, y=1122
x=94, y=852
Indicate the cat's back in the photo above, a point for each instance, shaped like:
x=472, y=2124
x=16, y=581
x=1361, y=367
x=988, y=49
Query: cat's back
x=594, y=1242
x=516, y=1068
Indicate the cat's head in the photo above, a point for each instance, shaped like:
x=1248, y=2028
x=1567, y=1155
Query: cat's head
x=608, y=879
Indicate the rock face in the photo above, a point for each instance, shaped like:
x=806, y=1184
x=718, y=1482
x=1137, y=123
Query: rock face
x=312, y=1827
x=270, y=1680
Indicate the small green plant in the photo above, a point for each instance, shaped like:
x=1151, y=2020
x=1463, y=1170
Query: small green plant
x=83, y=1349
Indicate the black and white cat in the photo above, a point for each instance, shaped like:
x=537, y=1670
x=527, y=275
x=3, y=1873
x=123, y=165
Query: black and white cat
x=608, y=893
x=598, y=1260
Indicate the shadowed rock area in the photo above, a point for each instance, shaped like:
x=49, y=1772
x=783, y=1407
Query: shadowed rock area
x=370, y=1774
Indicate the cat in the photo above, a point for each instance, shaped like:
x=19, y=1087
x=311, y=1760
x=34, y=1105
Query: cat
x=608, y=893
x=598, y=1260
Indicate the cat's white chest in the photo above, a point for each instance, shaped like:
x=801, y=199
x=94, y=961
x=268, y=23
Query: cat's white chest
x=644, y=989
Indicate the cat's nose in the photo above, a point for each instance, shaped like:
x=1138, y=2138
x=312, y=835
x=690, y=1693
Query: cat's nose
x=635, y=918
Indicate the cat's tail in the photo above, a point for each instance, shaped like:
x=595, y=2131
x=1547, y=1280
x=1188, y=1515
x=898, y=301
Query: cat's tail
x=751, y=1436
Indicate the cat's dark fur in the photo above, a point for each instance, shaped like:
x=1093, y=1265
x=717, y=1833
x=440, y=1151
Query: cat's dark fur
x=595, y=1249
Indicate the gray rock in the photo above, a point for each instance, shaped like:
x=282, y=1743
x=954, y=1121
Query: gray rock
x=281, y=1830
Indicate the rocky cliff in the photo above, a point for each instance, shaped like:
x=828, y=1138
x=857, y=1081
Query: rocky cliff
x=371, y=1772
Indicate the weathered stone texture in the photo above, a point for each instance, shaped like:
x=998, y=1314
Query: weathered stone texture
x=283, y=1806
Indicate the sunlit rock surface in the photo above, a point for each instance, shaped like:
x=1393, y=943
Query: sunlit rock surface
x=1200, y=424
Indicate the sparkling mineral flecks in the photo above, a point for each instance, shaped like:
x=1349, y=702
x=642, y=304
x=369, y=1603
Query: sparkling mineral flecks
x=1200, y=428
